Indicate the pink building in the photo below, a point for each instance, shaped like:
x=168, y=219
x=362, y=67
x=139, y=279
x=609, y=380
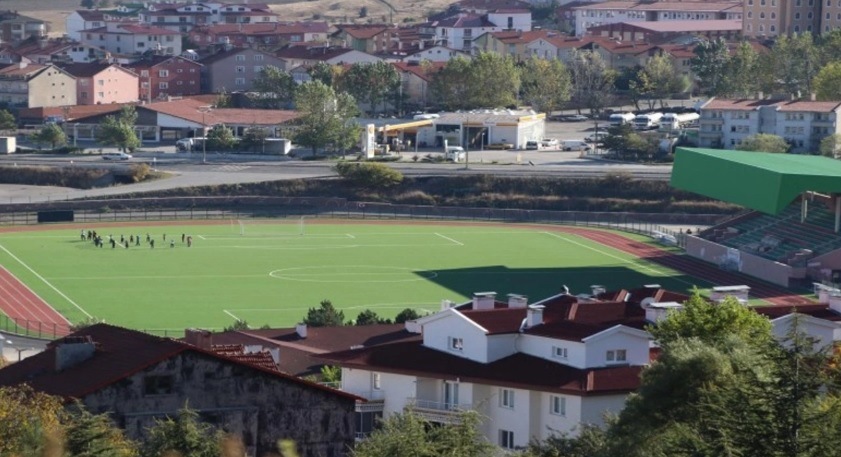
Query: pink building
x=98, y=83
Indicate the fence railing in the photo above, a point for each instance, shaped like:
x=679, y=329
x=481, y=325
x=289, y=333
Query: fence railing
x=32, y=328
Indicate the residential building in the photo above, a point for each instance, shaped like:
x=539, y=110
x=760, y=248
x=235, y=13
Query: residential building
x=59, y=50
x=769, y=18
x=29, y=85
x=601, y=13
x=297, y=56
x=531, y=371
x=133, y=39
x=486, y=6
x=555, y=46
x=265, y=35
x=415, y=78
x=670, y=31
x=369, y=38
x=182, y=17
x=100, y=83
x=137, y=379
x=80, y=20
x=16, y=27
x=234, y=70
x=512, y=43
x=803, y=123
x=160, y=77
x=435, y=54
x=619, y=54
x=458, y=31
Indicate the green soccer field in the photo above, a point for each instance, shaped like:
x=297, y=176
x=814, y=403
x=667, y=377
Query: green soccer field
x=272, y=272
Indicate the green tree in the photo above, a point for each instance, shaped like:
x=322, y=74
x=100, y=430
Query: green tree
x=741, y=71
x=185, y=435
x=90, y=435
x=221, y=138
x=450, y=86
x=545, y=84
x=326, y=118
x=326, y=315
x=274, y=88
x=711, y=323
x=408, y=314
x=791, y=65
x=764, y=142
x=494, y=81
x=223, y=100
x=328, y=74
x=119, y=130
x=7, y=121
x=827, y=83
x=369, y=317
x=831, y=146
x=369, y=175
x=331, y=373
x=590, y=442
x=710, y=66
x=51, y=134
x=829, y=46
x=254, y=138
x=592, y=80
x=371, y=83
x=660, y=79
x=29, y=420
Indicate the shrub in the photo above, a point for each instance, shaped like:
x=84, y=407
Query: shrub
x=369, y=175
x=139, y=172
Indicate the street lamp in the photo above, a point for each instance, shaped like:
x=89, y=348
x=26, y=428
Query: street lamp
x=466, y=143
x=204, y=110
x=19, y=350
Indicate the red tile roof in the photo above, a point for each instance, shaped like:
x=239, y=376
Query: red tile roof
x=87, y=70
x=665, y=5
x=809, y=106
x=517, y=371
x=513, y=37
x=420, y=70
x=315, y=53
x=272, y=28
x=497, y=321
x=120, y=353
x=69, y=113
x=782, y=105
x=363, y=32
x=685, y=26
x=20, y=71
x=135, y=29
x=188, y=109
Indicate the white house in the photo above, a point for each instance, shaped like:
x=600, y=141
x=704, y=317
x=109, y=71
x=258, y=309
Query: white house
x=80, y=20
x=129, y=38
x=613, y=12
x=435, y=54
x=182, y=17
x=459, y=31
x=529, y=370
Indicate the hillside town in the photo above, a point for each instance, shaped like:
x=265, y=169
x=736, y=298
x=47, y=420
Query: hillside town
x=738, y=97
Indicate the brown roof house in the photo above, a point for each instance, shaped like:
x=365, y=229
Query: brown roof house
x=33, y=85
x=138, y=378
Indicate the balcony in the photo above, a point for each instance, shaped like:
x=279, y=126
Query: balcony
x=434, y=411
x=376, y=398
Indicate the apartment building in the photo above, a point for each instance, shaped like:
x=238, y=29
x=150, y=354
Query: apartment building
x=102, y=83
x=30, y=85
x=268, y=35
x=132, y=39
x=725, y=123
x=612, y=12
x=459, y=31
x=769, y=18
x=15, y=27
x=531, y=371
x=162, y=76
x=182, y=17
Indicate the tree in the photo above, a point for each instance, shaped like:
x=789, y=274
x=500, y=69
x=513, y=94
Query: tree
x=328, y=74
x=7, y=121
x=764, y=142
x=119, y=131
x=408, y=314
x=90, y=435
x=590, y=442
x=545, y=84
x=325, y=316
x=221, y=138
x=831, y=146
x=827, y=83
x=408, y=435
x=183, y=435
x=661, y=79
x=369, y=175
x=29, y=419
x=254, y=138
x=791, y=65
x=89, y=4
x=369, y=317
x=711, y=323
x=591, y=80
x=371, y=83
x=741, y=71
x=275, y=88
x=326, y=117
x=363, y=11
x=223, y=100
x=495, y=81
x=51, y=134
x=331, y=373
x=710, y=64
x=450, y=86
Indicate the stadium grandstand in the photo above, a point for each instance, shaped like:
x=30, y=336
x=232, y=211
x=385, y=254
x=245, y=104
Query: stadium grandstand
x=790, y=231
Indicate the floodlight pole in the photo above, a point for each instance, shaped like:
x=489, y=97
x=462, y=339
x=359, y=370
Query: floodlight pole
x=204, y=110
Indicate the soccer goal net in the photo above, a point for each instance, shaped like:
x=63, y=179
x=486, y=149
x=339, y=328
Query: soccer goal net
x=269, y=228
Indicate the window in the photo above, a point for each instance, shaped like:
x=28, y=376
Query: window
x=559, y=352
x=616, y=356
x=163, y=73
x=558, y=405
x=144, y=73
x=100, y=82
x=158, y=385
x=506, y=398
x=506, y=439
x=163, y=85
x=240, y=69
x=258, y=57
x=239, y=81
x=456, y=344
x=84, y=95
x=258, y=68
x=376, y=381
x=240, y=57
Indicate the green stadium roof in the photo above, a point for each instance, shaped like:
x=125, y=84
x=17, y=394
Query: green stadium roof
x=757, y=180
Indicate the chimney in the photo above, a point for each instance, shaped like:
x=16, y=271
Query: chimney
x=517, y=301
x=202, y=339
x=301, y=330
x=534, y=315
x=597, y=289
x=72, y=351
x=760, y=95
x=813, y=96
x=484, y=300
x=446, y=304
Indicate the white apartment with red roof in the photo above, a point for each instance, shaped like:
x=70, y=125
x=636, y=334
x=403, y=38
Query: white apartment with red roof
x=612, y=12
x=183, y=16
x=128, y=39
x=459, y=31
x=803, y=123
x=529, y=370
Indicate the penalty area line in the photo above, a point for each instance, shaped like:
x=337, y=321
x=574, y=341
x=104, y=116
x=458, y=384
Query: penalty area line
x=202, y=237
x=231, y=314
x=450, y=239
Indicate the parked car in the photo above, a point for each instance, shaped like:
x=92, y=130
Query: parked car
x=596, y=137
x=575, y=118
x=455, y=154
x=500, y=146
x=116, y=156
x=549, y=143
x=532, y=145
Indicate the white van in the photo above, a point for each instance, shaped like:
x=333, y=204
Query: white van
x=455, y=154
x=532, y=145
x=575, y=145
x=116, y=156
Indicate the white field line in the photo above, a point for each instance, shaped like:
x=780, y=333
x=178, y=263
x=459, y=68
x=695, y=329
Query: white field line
x=350, y=236
x=47, y=283
x=175, y=277
x=450, y=239
x=372, y=305
x=202, y=237
x=638, y=262
x=230, y=314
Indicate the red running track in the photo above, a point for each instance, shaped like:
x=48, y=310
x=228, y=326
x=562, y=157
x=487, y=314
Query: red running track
x=31, y=313
x=759, y=289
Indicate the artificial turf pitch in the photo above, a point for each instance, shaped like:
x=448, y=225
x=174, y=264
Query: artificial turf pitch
x=270, y=272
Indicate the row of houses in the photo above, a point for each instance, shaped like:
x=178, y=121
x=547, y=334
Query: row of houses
x=531, y=370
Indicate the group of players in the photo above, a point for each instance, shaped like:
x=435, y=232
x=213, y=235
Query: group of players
x=99, y=241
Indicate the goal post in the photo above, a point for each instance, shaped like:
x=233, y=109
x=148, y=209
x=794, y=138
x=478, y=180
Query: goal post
x=292, y=226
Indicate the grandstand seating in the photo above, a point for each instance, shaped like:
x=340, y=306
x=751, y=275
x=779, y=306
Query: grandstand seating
x=782, y=238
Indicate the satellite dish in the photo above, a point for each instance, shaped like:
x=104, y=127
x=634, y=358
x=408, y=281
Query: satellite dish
x=646, y=302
